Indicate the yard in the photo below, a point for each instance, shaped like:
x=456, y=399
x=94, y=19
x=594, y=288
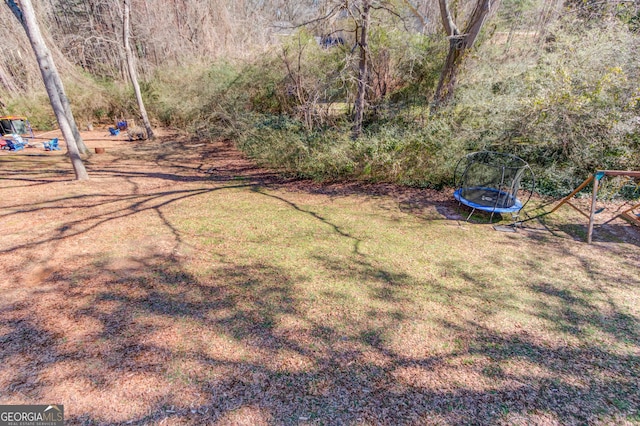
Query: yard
x=184, y=285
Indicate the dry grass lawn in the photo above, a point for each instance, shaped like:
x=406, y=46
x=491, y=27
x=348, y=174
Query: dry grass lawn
x=184, y=285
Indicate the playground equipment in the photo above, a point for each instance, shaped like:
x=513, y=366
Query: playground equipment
x=14, y=124
x=490, y=182
x=626, y=213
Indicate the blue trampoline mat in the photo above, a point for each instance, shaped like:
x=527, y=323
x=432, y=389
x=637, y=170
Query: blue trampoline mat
x=490, y=195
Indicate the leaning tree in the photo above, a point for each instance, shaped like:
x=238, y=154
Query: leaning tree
x=460, y=43
x=131, y=67
x=53, y=84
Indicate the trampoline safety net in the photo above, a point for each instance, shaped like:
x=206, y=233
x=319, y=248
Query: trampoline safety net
x=491, y=181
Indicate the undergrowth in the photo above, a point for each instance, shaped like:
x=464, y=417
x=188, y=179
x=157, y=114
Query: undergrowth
x=567, y=100
x=567, y=104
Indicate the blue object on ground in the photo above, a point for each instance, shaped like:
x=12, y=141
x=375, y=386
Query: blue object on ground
x=492, y=200
x=14, y=146
x=490, y=182
x=52, y=145
x=113, y=131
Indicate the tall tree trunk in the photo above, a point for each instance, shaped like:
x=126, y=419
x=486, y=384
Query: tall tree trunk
x=67, y=109
x=132, y=69
x=82, y=148
x=449, y=74
x=363, y=70
x=27, y=17
x=459, y=45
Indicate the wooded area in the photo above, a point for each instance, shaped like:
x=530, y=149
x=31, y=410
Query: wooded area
x=392, y=90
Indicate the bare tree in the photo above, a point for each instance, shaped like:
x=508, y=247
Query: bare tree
x=132, y=68
x=459, y=45
x=27, y=17
x=363, y=68
x=60, y=87
x=357, y=17
x=66, y=105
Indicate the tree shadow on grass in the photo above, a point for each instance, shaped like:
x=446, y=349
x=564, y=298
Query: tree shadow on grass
x=118, y=207
x=243, y=344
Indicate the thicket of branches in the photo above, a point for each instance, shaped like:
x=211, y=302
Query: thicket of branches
x=556, y=81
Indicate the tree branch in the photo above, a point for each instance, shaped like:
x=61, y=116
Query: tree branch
x=312, y=21
x=416, y=12
x=16, y=10
x=476, y=21
x=447, y=20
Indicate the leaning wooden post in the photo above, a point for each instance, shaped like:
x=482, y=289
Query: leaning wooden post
x=596, y=178
x=570, y=196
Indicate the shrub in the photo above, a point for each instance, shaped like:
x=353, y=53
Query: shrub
x=568, y=109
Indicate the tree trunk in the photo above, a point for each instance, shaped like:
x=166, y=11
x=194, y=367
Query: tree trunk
x=132, y=69
x=27, y=17
x=66, y=105
x=459, y=45
x=449, y=74
x=82, y=148
x=363, y=72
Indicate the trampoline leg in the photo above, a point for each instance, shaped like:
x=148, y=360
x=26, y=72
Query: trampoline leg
x=515, y=220
x=469, y=217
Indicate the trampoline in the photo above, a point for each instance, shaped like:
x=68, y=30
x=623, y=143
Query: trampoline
x=491, y=182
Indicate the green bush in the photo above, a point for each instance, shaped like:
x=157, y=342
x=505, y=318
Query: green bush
x=36, y=108
x=568, y=111
x=567, y=103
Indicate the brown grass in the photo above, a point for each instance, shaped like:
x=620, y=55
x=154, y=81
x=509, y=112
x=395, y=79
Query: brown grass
x=183, y=285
